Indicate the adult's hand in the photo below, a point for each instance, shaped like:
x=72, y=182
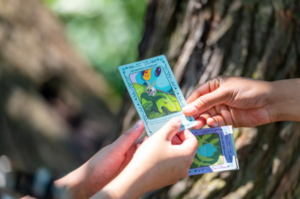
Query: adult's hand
x=156, y=163
x=243, y=102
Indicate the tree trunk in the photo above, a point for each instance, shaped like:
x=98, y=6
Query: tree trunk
x=53, y=105
x=257, y=39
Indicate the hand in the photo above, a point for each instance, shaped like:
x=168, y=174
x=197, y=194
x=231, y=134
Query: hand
x=104, y=166
x=156, y=163
x=232, y=101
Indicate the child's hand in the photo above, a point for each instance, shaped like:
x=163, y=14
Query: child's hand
x=103, y=166
x=156, y=163
x=231, y=101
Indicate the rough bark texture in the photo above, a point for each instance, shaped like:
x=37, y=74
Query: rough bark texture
x=52, y=104
x=257, y=39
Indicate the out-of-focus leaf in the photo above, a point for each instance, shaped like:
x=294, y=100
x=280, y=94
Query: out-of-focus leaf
x=106, y=32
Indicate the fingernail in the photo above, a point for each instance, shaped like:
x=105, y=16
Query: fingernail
x=176, y=120
x=213, y=122
x=189, y=109
x=138, y=124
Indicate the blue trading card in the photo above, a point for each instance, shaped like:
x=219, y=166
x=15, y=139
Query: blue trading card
x=216, y=151
x=155, y=93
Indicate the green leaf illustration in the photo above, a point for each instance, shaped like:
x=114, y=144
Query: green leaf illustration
x=161, y=104
x=220, y=160
x=200, y=143
x=205, y=137
x=214, y=141
x=204, y=158
x=204, y=164
x=197, y=162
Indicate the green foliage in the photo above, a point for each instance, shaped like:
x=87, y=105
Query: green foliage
x=215, y=159
x=106, y=32
x=156, y=106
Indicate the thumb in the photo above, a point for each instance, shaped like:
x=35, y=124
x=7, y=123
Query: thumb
x=206, y=102
x=169, y=130
x=189, y=144
x=125, y=141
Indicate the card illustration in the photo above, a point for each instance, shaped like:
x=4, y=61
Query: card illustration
x=155, y=93
x=216, y=151
x=209, y=151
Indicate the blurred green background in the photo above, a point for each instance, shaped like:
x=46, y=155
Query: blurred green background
x=105, y=32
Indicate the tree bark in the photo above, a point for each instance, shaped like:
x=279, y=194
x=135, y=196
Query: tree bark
x=257, y=39
x=53, y=105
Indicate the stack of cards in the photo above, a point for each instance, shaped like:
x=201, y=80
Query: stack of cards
x=158, y=98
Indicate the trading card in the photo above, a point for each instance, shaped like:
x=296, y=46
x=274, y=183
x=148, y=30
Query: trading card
x=216, y=151
x=155, y=93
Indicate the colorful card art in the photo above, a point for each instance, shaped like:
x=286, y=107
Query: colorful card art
x=216, y=151
x=155, y=93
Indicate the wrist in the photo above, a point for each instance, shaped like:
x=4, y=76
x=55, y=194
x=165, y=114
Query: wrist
x=285, y=100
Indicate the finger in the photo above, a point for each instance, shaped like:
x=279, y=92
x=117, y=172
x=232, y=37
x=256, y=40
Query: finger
x=225, y=112
x=176, y=140
x=125, y=141
x=169, y=129
x=215, y=121
x=204, y=89
x=205, y=102
x=223, y=118
x=205, y=116
x=200, y=122
x=189, y=144
x=139, y=141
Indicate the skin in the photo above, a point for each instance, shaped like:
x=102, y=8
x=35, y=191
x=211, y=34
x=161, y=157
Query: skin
x=103, y=166
x=156, y=163
x=243, y=102
x=110, y=161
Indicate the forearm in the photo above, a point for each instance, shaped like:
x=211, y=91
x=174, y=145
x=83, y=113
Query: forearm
x=284, y=102
x=73, y=184
x=127, y=185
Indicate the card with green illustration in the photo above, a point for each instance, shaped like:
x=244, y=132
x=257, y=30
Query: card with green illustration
x=155, y=93
x=216, y=151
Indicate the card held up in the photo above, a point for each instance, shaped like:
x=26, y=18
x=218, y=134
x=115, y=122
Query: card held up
x=216, y=151
x=155, y=93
